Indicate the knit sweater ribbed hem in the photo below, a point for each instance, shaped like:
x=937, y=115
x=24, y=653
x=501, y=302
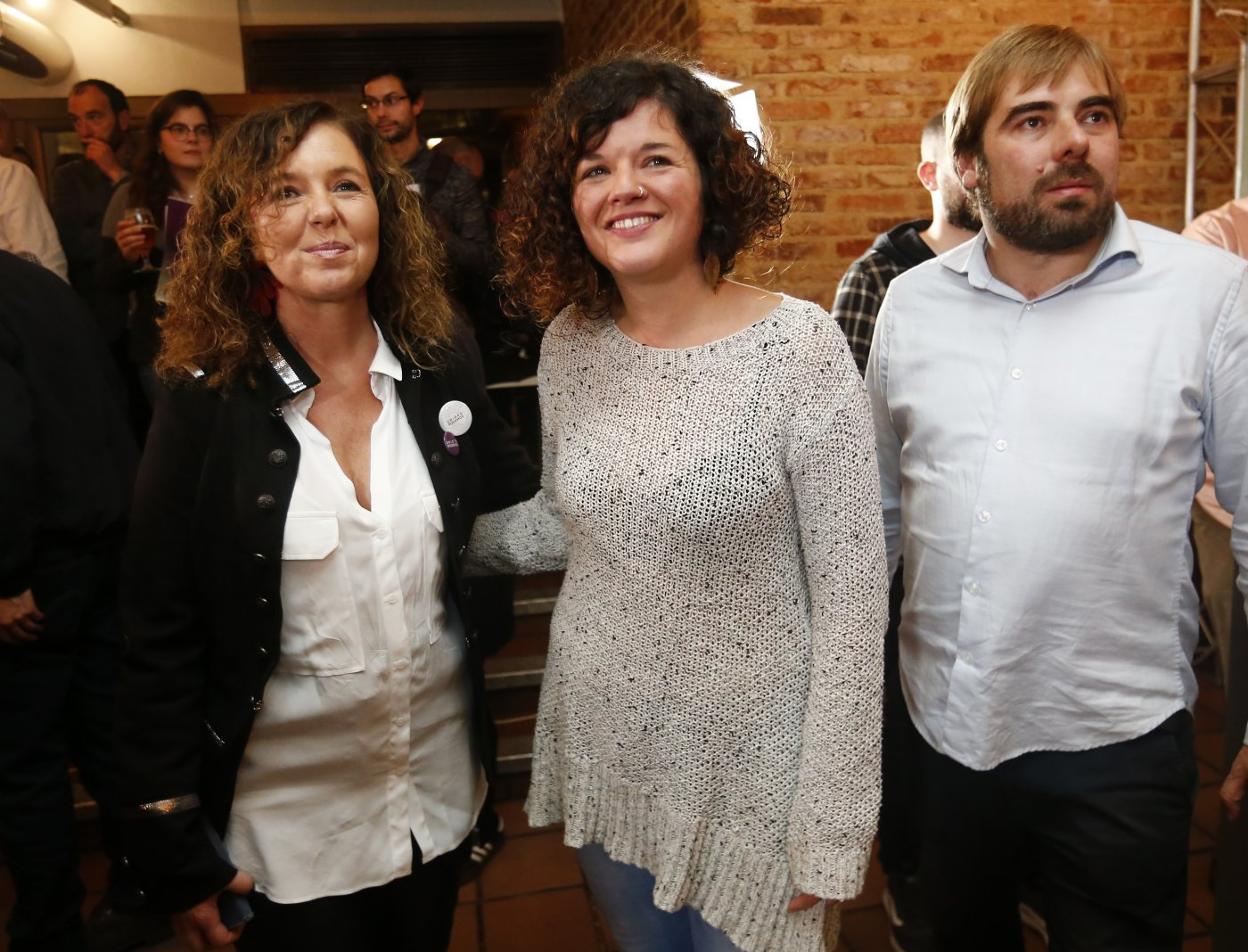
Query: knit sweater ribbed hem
x=737, y=890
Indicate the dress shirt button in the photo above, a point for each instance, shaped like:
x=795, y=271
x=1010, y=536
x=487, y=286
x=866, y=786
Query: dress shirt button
x=1028, y=307
x=1016, y=373
x=1000, y=446
x=435, y=458
x=391, y=599
x=972, y=586
x=262, y=602
x=983, y=515
x=400, y=663
x=266, y=502
x=278, y=458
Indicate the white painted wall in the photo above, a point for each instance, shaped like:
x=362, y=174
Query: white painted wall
x=196, y=43
x=321, y=12
x=169, y=44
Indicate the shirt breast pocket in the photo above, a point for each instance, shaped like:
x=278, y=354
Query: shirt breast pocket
x=320, y=630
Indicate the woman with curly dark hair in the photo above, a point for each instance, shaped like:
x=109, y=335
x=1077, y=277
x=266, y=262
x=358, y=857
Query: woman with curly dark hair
x=709, y=725
x=137, y=257
x=303, y=679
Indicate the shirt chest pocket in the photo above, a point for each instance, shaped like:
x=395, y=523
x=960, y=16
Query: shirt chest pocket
x=320, y=627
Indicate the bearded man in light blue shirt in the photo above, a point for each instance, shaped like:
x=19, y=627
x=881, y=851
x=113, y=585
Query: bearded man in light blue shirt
x=1045, y=399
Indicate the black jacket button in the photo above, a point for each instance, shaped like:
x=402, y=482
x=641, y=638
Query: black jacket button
x=256, y=704
x=435, y=458
x=278, y=458
x=262, y=651
x=466, y=590
x=259, y=558
x=276, y=412
x=455, y=503
x=266, y=502
x=462, y=550
x=262, y=602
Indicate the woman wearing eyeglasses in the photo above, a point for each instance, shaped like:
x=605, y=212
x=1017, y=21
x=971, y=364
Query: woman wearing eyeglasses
x=177, y=138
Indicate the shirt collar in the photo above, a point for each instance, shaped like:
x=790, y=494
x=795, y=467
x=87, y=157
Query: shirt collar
x=289, y=374
x=1120, y=245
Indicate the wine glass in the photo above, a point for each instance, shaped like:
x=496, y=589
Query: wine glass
x=144, y=218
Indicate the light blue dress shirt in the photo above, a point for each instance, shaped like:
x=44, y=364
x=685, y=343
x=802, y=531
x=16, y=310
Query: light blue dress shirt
x=1038, y=461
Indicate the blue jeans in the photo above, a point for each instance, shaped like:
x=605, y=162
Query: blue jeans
x=623, y=896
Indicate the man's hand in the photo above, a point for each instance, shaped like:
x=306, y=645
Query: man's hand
x=101, y=153
x=200, y=927
x=20, y=619
x=1234, y=785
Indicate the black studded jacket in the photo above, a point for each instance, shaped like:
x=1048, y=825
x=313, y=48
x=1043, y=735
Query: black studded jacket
x=201, y=582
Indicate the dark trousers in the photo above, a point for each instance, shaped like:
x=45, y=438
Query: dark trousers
x=1101, y=834
x=56, y=703
x=411, y=914
x=901, y=799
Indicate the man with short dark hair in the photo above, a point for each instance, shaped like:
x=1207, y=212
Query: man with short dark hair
x=394, y=102
x=1045, y=399
x=81, y=188
x=954, y=220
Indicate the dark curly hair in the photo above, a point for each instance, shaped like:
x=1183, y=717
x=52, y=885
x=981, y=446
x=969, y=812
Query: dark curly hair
x=212, y=322
x=546, y=264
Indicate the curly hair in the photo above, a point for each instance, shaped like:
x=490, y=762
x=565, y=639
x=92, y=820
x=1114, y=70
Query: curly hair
x=152, y=178
x=546, y=264
x=211, y=325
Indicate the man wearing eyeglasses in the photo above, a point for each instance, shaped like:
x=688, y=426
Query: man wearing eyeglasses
x=393, y=101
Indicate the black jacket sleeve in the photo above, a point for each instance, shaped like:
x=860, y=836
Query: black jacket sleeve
x=18, y=468
x=163, y=742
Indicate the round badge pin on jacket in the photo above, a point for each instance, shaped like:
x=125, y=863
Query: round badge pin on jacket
x=455, y=417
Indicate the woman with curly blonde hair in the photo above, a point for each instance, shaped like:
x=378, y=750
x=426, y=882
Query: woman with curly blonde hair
x=303, y=680
x=709, y=725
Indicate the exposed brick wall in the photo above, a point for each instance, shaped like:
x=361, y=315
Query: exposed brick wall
x=846, y=86
x=594, y=26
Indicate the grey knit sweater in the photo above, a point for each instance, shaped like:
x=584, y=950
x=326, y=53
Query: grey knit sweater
x=711, y=705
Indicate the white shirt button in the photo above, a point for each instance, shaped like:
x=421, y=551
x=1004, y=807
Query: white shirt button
x=391, y=598
x=1000, y=446
x=983, y=515
x=1029, y=307
x=1016, y=373
x=400, y=664
x=972, y=586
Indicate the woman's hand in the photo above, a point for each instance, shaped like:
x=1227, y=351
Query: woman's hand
x=1236, y=781
x=803, y=901
x=133, y=241
x=200, y=927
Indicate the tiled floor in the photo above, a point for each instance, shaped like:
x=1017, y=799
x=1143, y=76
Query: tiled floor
x=532, y=898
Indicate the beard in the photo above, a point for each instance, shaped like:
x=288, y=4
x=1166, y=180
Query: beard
x=401, y=131
x=960, y=208
x=1029, y=225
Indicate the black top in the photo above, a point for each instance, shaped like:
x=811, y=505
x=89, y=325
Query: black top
x=66, y=454
x=202, y=580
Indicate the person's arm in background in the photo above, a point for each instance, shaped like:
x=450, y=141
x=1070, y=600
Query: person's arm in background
x=1226, y=450
x=26, y=226
x=469, y=246
x=858, y=300
x=19, y=615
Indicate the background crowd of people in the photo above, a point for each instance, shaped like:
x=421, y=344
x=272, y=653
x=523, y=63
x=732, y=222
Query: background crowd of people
x=262, y=643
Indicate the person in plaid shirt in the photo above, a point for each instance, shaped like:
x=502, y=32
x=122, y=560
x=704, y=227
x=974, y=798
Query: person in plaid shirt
x=954, y=220
x=858, y=299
